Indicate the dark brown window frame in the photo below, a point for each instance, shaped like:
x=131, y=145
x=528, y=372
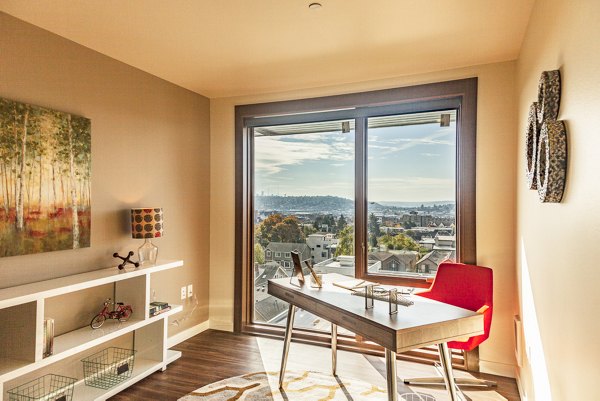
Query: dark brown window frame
x=459, y=94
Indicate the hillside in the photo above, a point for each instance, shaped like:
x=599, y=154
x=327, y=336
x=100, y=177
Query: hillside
x=323, y=204
x=337, y=205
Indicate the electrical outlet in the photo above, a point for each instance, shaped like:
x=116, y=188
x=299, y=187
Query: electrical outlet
x=190, y=290
x=183, y=292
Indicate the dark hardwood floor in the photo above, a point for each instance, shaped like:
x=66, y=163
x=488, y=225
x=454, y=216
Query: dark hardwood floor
x=215, y=355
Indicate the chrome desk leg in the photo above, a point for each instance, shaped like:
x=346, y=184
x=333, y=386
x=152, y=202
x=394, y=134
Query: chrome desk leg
x=390, y=367
x=286, y=342
x=334, y=349
x=447, y=371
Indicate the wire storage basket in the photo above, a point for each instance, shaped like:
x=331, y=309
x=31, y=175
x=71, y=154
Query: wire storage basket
x=108, y=367
x=46, y=388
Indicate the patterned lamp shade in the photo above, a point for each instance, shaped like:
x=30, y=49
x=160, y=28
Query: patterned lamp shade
x=147, y=222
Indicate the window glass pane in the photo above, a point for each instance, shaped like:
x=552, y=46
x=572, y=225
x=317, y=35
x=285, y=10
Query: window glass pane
x=411, y=189
x=303, y=197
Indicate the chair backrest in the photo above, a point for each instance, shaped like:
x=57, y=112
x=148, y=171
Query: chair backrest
x=466, y=286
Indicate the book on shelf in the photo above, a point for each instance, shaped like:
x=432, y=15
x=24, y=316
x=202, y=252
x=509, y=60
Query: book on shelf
x=158, y=308
x=163, y=310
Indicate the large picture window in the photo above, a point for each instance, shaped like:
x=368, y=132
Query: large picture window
x=378, y=185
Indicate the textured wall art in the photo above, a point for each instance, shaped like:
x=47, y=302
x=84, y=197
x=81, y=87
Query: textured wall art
x=45, y=173
x=546, y=141
x=552, y=161
x=531, y=142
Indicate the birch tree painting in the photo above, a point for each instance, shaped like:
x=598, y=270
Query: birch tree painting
x=45, y=174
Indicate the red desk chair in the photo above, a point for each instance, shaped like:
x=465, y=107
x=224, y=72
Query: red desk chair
x=469, y=287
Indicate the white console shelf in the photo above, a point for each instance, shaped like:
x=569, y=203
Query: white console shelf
x=22, y=319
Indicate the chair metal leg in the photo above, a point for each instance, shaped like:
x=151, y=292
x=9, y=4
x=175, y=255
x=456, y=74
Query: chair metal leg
x=334, y=349
x=390, y=368
x=286, y=342
x=447, y=371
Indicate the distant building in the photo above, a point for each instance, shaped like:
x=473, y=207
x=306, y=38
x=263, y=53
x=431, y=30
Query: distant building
x=426, y=220
x=395, y=261
x=267, y=307
x=427, y=243
x=445, y=242
x=417, y=219
x=322, y=246
x=341, y=265
x=264, y=273
x=392, y=230
x=417, y=233
x=281, y=253
x=429, y=263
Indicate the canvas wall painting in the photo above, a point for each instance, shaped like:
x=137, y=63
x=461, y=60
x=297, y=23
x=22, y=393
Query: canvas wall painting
x=45, y=179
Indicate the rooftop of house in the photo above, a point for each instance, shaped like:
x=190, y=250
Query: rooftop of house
x=437, y=256
x=287, y=247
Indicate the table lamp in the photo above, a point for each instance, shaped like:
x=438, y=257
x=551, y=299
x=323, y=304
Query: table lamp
x=147, y=223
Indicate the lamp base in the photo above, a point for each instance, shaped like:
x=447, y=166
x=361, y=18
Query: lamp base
x=147, y=253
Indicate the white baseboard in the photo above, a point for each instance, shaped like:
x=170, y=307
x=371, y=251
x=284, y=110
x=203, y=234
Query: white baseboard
x=497, y=368
x=187, y=333
x=221, y=325
x=522, y=395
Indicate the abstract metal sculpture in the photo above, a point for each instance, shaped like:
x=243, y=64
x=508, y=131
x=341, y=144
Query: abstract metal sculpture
x=125, y=260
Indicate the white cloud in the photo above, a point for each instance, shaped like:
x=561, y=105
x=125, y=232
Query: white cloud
x=424, y=181
x=272, y=154
x=420, y=189
x=399, y=144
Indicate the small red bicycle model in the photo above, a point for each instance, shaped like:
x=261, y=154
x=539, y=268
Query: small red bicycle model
x=122, y=312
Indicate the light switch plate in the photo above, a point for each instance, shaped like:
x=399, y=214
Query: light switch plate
x=183, y=292
x=190, y=290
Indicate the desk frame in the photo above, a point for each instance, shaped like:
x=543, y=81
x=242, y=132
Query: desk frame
x=395, y=336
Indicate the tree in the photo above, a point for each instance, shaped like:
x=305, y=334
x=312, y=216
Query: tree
x=327, y=220
x=288, y=231
x=341, y=223
x=259, y=254
x=8, y=153
x=399, y=242
x=74, y=202
x=374, y=230
x=409, y=224
x=74, y=144
x=19, y=222
x=308, y=230
x=345, y=244
x=277, y=228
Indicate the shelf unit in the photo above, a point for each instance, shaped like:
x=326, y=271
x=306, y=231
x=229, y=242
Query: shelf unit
x=22, y=319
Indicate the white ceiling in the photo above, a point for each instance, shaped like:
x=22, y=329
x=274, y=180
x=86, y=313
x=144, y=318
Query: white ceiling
x=224, y=48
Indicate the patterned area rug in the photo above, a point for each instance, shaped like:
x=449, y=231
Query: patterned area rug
x=298, y=386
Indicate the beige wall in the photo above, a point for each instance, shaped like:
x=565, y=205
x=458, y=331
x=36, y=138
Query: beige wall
x=133, y=113
x=556, y=267
x=496, y=161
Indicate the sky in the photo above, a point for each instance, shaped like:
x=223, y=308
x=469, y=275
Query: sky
x=413, y=163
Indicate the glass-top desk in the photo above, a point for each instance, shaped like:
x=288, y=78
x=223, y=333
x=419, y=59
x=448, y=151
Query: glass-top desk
x=426, y=322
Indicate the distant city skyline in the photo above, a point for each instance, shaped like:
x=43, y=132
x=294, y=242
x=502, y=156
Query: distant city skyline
x=384, y=203
x=412, y=163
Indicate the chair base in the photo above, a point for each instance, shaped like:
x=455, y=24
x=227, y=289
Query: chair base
x=439, y=381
